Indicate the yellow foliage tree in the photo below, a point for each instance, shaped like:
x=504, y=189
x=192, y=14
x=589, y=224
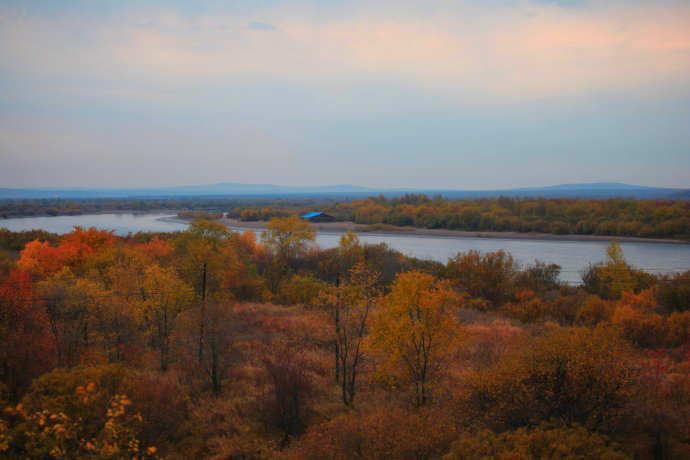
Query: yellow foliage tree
x=616, y=274
x=350, y=306
x=67, y=302
x=52, y=434
x=414, y=333
x=164, y=296
x=287, y=236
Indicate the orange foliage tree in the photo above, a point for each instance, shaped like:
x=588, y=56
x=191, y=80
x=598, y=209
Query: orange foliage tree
x=77, y=250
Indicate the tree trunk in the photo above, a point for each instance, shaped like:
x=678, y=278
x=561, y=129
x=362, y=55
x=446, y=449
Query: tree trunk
x=203, y=313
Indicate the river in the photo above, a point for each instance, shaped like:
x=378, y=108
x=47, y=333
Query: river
x=572, y=256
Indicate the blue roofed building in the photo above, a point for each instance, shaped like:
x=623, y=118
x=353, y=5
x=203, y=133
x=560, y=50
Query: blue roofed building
x=318, y=217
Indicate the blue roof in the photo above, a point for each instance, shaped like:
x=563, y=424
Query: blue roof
x=311, y=214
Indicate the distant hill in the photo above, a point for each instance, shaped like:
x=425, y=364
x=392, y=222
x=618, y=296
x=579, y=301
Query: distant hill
x=231, y=189
x=588, y=190
x=220, y=189
x=224, y=188
x=682, y=195
x=595, y=186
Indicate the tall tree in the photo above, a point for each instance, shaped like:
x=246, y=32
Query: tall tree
x=205, y=255
x=27, y=348
x=163, y=297
x=612, y=278
x=287, y=237
x=219, y=350
x=66, y=301
x=414, y=333
x=350, y=306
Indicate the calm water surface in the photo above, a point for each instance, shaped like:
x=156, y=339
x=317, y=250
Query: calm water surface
x=121, y=223
x=572, y=256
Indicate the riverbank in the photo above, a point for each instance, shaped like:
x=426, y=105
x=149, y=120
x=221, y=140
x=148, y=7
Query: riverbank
x=343, y=227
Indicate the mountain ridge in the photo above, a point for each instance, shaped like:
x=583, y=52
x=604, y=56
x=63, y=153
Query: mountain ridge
x=583, y=190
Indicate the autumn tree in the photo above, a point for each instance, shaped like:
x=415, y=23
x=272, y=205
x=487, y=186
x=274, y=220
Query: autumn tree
x=593, y=310
x=539, y=277
x=115, y=326
x=161, y=404
x=660, y=407
x=204, y=257
x=616, y=274
x=350, y=252
x=54, y=435
x=350, y=306
x=527, y=308
x=572, y=374
x=547, y=440
x=66, y=301
x=85, y=317
x=385, y=433
x=414, y=333
x=674, y=291
x=287, y=237
x=81, y=250
x=219, y=348
x=610, y=279
x=6, y=262
x=75, y=413
x=27, y=348
x=163, y=297
x=62, y=390
x=489, y=276
x=40, y=259
x=284, y=404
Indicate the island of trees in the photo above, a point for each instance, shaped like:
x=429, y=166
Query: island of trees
x=209, y=344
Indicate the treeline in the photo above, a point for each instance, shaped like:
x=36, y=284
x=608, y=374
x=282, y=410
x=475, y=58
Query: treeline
x=200, y=215
x=15, y=241
x=560, y=216
x=210, y=344
x=60, y=206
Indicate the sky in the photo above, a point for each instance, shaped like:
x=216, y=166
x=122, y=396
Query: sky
x=487, y=94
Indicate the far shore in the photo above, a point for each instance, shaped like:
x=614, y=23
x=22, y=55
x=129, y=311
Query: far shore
x=337, y=228
x=344, y=227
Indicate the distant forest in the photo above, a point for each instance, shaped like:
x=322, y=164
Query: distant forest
x=560, y=216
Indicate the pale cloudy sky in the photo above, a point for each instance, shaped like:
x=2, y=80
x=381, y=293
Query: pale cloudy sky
x=428, y=94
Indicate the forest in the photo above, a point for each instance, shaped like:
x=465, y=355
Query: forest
x=214, y=344
x=68, y=207
x=559, y=216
